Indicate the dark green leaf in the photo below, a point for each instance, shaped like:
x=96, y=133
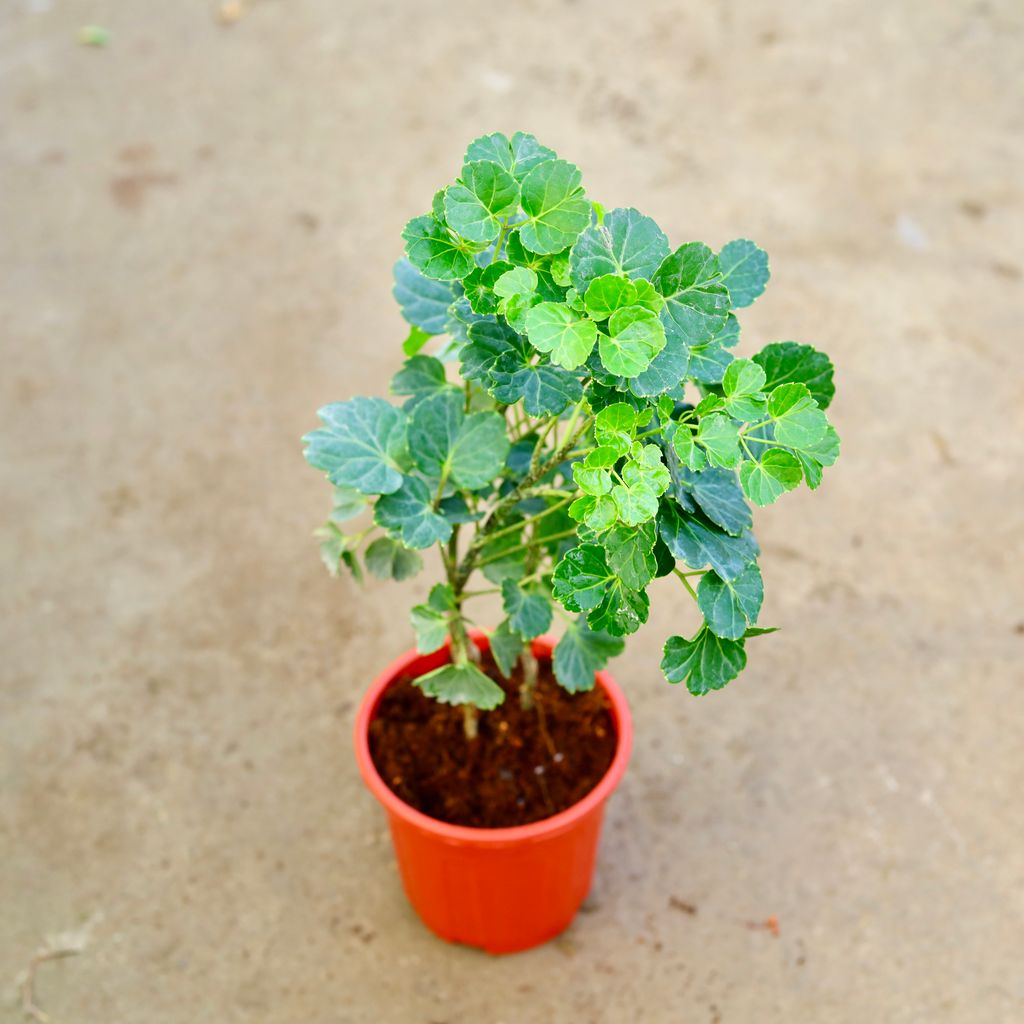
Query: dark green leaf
x=709, y=362
x=461, y=684
x=545, y=390
x=488, y=340
x=719, y=495
x=667, y=370
x=424, y=303
x=581, y=653
x=729, y=606
x=409, y=513
x=529, y=611
x=479, y=287
x=581, y=578
x=694, y=539
x=744, y=271
x=621, y=610
x=506, y=646
x=419, y=377
x=630, y=554
x=707, y=662
x=786, y=362
x=360, y=445
x=388, y=560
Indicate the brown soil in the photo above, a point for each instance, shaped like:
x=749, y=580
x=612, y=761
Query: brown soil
x=523, y=766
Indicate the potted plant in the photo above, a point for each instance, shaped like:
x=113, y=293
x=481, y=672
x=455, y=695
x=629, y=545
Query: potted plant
x=582, y=429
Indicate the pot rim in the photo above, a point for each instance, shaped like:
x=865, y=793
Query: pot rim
x=466, y=834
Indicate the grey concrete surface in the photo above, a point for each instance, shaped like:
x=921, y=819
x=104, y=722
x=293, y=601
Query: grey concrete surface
x=197, y=225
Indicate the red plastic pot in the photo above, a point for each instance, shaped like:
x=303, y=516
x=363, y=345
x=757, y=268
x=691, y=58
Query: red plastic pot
x=501, y=889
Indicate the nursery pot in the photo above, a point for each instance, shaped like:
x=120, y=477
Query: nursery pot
x=500, y=889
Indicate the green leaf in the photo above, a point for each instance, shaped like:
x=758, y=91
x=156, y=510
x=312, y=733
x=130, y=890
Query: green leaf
x=766, y=480
x=347, y=504
x=461, y=684
x=647, y=469
x=529, y=612
x=506, y=646
x=744, y=271
x=545, y=390
x=786, y=362
x=360, y=445
x=630, y=554
x=581, y=578
x=626, y=242
x=469, y=450
x=729, y=606
x=488, y=340
x=696, y=299
x=667, y=371
x=517, y=281
x=707, y=662
x=334, y=550
x=424, y=303
x=824, y=453
x=419, y=377
x=555, y=328
x=635, y=502
x=592, y=479
x=415, y=340
x=409, y=513
x=681, y=438
x=433, y=251
x=709, y=362
x=479, y=287
x=743, y=379
x=608, y=293
x=555, y=205
x=694, y=539
x=635, y=336
x=798, y=421
x=581, y=653
x=621, y=610
x=729, y=335
x=518, y=156
x=388, y=560
x=484, y=193
x=720, y=497
x=719, y=437
x=505, y=557
x=430, y=620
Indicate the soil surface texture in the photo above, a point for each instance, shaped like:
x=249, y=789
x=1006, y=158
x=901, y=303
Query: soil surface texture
x=525, y=764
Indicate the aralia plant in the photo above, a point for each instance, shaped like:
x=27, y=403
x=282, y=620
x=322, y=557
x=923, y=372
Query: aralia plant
x=583, y=428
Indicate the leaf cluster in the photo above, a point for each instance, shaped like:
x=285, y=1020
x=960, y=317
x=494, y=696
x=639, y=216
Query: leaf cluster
x=586, y=419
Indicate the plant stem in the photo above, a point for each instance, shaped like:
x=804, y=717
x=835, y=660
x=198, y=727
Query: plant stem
x=494, y=534
x=530, y=668
x=504, y=553
x=686, y=583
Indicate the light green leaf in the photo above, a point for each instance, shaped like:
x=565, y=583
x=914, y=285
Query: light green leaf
x=608, y=293
x=635, y=503
x=719, y=437
x=388, y=560
x=334, y=550
x=581, y=653
x=434, y=252
x=621, y=610
x=483, y=194
x=592, y=480
x=415, y=340
x=461, y=684
x=647, y=469
x=635, y=336
x=729, y=606
x=409, y=513
x=695, y=540
x=786, y=362
x=648, y=296
x=798, y=421
x=824, y=453
x=554, y=328
x=518, y=156
x=469, y=450
x=681, y=438
x=555, y=206
x=360, y=445
x=479, y=287
x=506, y=646
x=517, y=281
x=744, y=271
x=430, y=620
x=707, y=662
x=743, y=378
x=696, y=299
x=529, y=612
x=424, y=303
x=630, y=553
x=625, y=242
x=347, y=504
x=766, y=480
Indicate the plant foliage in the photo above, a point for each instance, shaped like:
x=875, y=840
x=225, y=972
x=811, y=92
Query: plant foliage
x=585, y=428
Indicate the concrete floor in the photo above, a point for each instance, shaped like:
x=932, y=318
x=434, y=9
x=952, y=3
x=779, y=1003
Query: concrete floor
x=197, y=225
